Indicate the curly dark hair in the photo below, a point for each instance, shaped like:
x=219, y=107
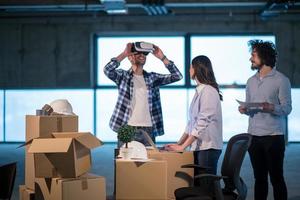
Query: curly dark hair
x=266, y=51
x=204, y=72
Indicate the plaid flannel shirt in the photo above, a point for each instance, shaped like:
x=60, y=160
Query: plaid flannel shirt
x=124, y=81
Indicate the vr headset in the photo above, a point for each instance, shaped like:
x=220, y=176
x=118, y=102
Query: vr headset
x=142, y=47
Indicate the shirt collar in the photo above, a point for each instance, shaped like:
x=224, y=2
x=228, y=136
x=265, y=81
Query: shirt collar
x=200, y=87
x=271, y=73
x=130, y=71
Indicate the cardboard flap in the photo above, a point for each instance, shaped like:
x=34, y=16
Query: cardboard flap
x=50, y=145
x=89, y=140
x=25, y=144
x=65, y=134
x=85, y=138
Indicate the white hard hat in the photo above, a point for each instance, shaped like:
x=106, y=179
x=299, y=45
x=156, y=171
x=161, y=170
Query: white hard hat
x=62, y=106
x=138, y=150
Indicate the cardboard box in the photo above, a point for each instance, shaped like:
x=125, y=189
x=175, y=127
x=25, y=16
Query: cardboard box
x=174, y=162
x=86, y=187
x=67, y=155
x=29, y=169
x=44, y=126
x=25, y=193
x=141, y=180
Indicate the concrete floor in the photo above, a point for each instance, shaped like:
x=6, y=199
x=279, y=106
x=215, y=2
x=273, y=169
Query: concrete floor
x=103, y=166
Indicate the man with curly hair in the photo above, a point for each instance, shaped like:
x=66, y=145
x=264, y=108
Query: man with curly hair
x=267, y=124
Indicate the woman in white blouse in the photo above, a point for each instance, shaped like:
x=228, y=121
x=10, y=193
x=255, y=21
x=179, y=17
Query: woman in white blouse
x=203, y=132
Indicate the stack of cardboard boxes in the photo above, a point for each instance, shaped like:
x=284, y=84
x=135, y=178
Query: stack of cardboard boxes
x=57, y=159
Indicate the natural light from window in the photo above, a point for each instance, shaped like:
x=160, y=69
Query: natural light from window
x=25, y=102
x=229, y=56
x=1, y=116
x=109, y=47
x=233, y=122
x=106, y=101
x=294, y=117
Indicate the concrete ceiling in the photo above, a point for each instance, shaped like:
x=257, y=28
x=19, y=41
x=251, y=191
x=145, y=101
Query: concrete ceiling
x=265, y=9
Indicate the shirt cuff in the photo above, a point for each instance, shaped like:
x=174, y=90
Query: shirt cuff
x=171, y=64
x=195, y=133
x=115, y=60
x=277, y=109
x=186, y=130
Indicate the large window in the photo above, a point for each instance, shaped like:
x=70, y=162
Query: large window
x=25, y=102
x=108, y=47
x=174, y=108
x=1, y=116
x=229, y=56
x=294, y=118
x=233, y=122
x=106, y=100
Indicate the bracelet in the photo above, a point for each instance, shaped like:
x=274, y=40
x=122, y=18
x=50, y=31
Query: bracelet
x=163, y=58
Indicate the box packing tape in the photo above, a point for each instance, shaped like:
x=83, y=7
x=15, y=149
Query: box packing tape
x=84, y=184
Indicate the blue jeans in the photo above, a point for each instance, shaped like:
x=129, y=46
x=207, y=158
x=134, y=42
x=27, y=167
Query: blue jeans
x=208, y=159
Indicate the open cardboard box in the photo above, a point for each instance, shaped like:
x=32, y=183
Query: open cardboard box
x=67, y=155
x=43, y=127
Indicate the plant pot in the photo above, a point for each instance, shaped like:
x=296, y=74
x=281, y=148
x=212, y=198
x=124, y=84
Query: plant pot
x=126, y=153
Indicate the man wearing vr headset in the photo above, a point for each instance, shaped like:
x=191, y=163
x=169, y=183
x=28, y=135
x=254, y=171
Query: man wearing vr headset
x=139, y=102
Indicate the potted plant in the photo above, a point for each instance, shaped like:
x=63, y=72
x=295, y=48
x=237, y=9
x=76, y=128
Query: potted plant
x=125, y=135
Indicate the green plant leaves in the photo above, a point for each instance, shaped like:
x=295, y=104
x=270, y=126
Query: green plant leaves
x=126, y=133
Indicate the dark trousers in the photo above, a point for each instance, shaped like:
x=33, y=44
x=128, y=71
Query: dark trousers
x=207, y=159
x=267, y=155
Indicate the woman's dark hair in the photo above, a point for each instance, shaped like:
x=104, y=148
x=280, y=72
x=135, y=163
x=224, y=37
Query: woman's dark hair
x=204, y=72
x=266, y=51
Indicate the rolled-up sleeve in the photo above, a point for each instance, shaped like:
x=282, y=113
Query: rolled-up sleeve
x=164, y=79
x=188, y=127
x=284, y=107
x=111, y=72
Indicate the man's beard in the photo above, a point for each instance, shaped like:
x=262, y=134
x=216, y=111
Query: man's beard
x=256, y=67
x=140, y=63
